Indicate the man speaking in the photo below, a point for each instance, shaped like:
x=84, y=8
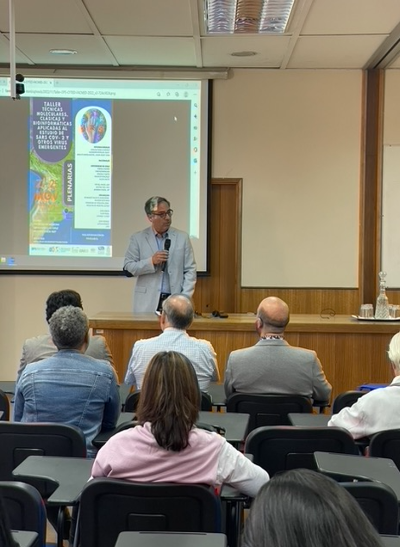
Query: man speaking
x=161, y=258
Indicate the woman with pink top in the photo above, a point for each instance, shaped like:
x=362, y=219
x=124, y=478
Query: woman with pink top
x=166, y=446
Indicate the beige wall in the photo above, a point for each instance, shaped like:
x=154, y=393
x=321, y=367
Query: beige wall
x=22, y=301
x=294, y=138
x=391, y=180
x=391, y=120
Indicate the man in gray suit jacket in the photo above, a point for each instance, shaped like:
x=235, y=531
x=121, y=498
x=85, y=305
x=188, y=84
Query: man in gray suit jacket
x=161, y=258
x=272, y=365
x=41, y=347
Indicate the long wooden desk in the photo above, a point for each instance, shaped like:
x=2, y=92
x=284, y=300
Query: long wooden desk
x=351, y=352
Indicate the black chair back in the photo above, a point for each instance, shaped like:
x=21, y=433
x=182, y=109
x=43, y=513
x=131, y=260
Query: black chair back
x=111, y=506
x=25, y=509
x=132, y=401
x=347, y=398
x=386, y=444
x=4, y=406
x=267, y=409
x=205, y=402
x=281, y=448
x=20, y=440
x=379, y=503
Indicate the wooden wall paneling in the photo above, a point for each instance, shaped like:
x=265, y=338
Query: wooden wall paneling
x=339, y=301
x=220, y=290
x=371, y=185
x=394, y=297
x=365, y=358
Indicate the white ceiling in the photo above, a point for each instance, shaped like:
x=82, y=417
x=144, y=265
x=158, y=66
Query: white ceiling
x=126, y=34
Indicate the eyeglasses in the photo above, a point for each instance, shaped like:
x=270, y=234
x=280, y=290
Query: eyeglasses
x=163, y=214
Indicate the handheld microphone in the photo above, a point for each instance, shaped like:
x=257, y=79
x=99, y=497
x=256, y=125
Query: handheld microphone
x=167, y=245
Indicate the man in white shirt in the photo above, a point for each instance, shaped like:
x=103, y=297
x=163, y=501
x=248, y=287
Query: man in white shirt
x=378, y=410
x=177, y=316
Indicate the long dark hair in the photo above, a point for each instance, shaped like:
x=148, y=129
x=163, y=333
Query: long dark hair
x=170, y=399
x=302, y=507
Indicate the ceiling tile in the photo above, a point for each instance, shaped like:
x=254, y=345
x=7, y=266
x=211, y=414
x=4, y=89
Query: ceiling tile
x=90, y=50
x=334, y=51
x=152, y=51
x=142, y=17
x=216, y=51
x=352, y=17
x=44, y=16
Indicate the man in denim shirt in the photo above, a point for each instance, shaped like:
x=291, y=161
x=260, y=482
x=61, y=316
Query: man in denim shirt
x=69, y=387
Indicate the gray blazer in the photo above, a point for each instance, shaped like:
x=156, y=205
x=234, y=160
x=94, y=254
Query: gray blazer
x=41, y=347
x=181, y=267
x=273, y=366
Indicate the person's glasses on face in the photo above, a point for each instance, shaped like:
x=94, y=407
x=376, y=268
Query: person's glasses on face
x=163, y=214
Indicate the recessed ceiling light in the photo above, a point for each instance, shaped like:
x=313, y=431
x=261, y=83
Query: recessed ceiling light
x=243, y=53
x=63, y=52
x=247, y=16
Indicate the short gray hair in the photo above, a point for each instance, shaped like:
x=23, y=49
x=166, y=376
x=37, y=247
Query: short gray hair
x=179, y=311
x=69, y=327
x=394, y=352
x=153, y=202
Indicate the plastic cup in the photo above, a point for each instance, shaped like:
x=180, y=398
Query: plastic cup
x=366, y=311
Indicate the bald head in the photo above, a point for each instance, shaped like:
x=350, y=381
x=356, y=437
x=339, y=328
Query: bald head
x=273, y=315
x=177, y=312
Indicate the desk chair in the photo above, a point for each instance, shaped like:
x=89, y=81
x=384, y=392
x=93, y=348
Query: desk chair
x=379, y=503
x=267, y=409
x=132, y=401
x=4, y=406
x=371, y=386
x=347, y=398
x=281, y=448
x=386, y=444
x=20, y=440
x=25, y=509
x=390, y=541
x=110, y=506
x=169, y=539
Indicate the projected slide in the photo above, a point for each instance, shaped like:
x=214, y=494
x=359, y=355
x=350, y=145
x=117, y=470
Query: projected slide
x=70, y=178
x=80, y=157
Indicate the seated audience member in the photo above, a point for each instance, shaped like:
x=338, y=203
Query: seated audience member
x=166, y=446
x=40, y=347
x=301, y=508
x=272, y=365
x=177, y=316
x=69, y=387
x=378, y=410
